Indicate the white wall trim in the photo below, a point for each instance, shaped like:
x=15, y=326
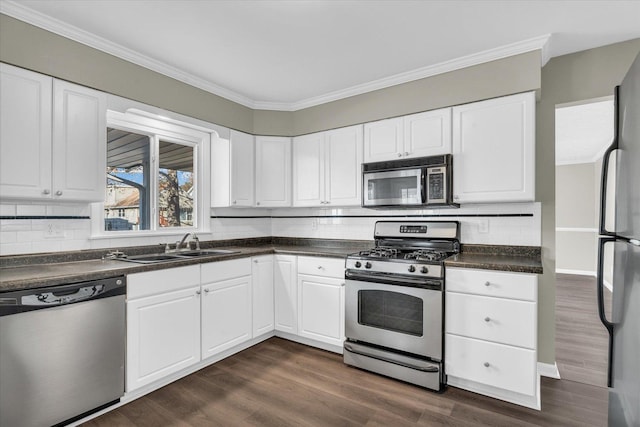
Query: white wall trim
x=577, y=272
x=23, y=13
x=577, y=229
x=549, y=370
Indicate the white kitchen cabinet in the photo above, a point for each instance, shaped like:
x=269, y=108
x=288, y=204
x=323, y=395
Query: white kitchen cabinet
x=286, y=295
x=494, y=150
x=415, y=135
x=227, y=309
x=163, y=324
x=52, y=140
x=321, y=299
x=263, y=298
x=232, y=170
x=273, y=171
x=327, y=168
x=491, y=334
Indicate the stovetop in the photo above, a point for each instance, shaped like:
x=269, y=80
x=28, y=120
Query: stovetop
x=417, y=255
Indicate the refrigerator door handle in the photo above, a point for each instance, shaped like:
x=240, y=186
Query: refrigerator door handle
x=600, y=294
x=605, y=171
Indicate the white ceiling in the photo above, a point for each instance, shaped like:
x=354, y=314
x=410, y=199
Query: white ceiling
x=289, y=55
x=583, y=132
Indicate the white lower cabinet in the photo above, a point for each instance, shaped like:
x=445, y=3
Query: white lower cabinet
x=163, y=324
x=321, y=299
x=491, y=334
x=263, y=299
x=286, y=296
x=226, y=305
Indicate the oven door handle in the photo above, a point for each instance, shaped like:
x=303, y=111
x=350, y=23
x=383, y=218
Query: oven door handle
x=349, y=348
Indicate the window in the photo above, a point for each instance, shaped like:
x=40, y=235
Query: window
x=152, y=181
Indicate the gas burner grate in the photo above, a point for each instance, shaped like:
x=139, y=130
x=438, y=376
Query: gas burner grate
x=426, y=255
x=380, y=253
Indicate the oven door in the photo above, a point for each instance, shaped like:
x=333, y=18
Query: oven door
x=393, y=188
x=400, y=318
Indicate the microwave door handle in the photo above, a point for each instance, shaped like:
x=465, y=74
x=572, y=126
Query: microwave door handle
x=423, y=186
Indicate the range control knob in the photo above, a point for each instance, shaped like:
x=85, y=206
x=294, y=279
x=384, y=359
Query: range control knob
x=424, y=270
x=412, y=268
x=367, y=265
x=358, y=264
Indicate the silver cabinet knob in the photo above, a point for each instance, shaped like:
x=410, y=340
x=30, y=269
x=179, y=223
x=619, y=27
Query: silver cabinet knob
x=487, y=319
x=58, y=193
x=206, y=291
x=486, y=364
x=487, y=283
x=255, y=261
x=198, y=292
x=258, y=203
x=406, y=153
x=46, y=191
x=235, y=201
x=320, y=267
x=456, y=197
x=399, y=154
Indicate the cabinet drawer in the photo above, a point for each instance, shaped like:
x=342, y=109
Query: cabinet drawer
x=492, y=283
x=330, y=267
x=499, y=320
x=497, y=365
x=161, y=281
x=223, y=270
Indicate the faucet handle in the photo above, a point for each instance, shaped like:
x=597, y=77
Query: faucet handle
x=197, y=240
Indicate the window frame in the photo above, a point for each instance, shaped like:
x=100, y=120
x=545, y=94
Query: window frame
x=172, y=131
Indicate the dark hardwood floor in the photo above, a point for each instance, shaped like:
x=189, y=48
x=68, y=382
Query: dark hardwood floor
x=581, y=339
x=282, y=383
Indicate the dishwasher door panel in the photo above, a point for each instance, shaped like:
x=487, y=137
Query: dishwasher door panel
x=62, y=361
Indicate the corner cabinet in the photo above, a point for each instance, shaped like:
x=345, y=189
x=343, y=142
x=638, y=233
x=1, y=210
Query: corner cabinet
x=273, y=171
x=52, y=140
x=327, y=168
x=491, y=334
x=494, y=150
x=416, y=135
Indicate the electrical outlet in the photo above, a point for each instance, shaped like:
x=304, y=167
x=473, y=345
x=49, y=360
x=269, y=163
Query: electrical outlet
x=53, y=231
x=483, y=226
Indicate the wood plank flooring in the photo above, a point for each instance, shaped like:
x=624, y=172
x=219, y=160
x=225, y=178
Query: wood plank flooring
x=581, y=339
x=282, y=383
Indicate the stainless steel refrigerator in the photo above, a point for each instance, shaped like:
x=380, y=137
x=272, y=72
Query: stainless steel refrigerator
x=620, y=231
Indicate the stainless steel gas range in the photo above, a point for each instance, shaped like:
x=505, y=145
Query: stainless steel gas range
x=394, y=301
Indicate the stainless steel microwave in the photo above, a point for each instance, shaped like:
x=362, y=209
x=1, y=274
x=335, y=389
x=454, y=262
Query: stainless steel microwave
x=423, y=182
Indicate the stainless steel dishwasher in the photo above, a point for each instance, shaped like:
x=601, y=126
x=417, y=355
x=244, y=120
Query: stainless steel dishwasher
x=62, y=351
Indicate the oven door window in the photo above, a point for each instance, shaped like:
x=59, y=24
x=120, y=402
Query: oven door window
x=392, y=311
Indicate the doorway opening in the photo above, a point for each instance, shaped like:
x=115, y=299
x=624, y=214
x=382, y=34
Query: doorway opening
x=583, y=132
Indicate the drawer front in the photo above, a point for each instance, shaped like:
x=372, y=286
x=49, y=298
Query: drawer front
x=497, y=365
x=318, y=266
x=499, y=320
x=522, y=286
x=223, y=270
x=161, y=281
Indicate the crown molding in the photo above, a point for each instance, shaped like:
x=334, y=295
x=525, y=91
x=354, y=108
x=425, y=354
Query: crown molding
x=23, y=13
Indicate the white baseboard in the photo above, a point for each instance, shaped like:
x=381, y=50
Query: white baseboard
x=549, y=370
x=578, y=272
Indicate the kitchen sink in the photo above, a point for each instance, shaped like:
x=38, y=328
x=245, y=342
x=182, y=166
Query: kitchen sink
x=176, y=256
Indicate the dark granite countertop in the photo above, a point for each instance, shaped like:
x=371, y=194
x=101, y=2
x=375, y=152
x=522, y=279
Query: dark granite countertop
x=35, y=271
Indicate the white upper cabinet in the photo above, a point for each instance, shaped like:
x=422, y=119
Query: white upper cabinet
x=326, y=168
x=52, y=138
x=25, y=133
x=416, y=135
x=273, y=171
x=232, y=170
x=79, y=142
x=494, y=150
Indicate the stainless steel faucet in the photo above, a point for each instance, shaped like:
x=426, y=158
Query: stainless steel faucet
x=181, y=242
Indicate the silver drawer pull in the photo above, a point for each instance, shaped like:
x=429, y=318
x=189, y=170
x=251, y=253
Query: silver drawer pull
x=486, y=364
x=487, y=283
x=487, y=319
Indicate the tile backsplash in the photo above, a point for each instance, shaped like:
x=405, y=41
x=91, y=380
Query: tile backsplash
x=37, y=228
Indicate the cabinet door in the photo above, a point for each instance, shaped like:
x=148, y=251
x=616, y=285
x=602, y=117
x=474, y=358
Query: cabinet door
x=286, y=295
x=163, y=335
x=79, y=142
x=427, y=134
x=308, y=170
x=242, y=169
x=494, y=150
x=383, y=140
x=321, y=309
x=25, y=133
x=343, y=163
x=273, y=171
x=226, y=314
x=262, y=278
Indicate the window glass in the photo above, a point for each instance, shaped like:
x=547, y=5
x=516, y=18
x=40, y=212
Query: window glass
x=175, y=185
